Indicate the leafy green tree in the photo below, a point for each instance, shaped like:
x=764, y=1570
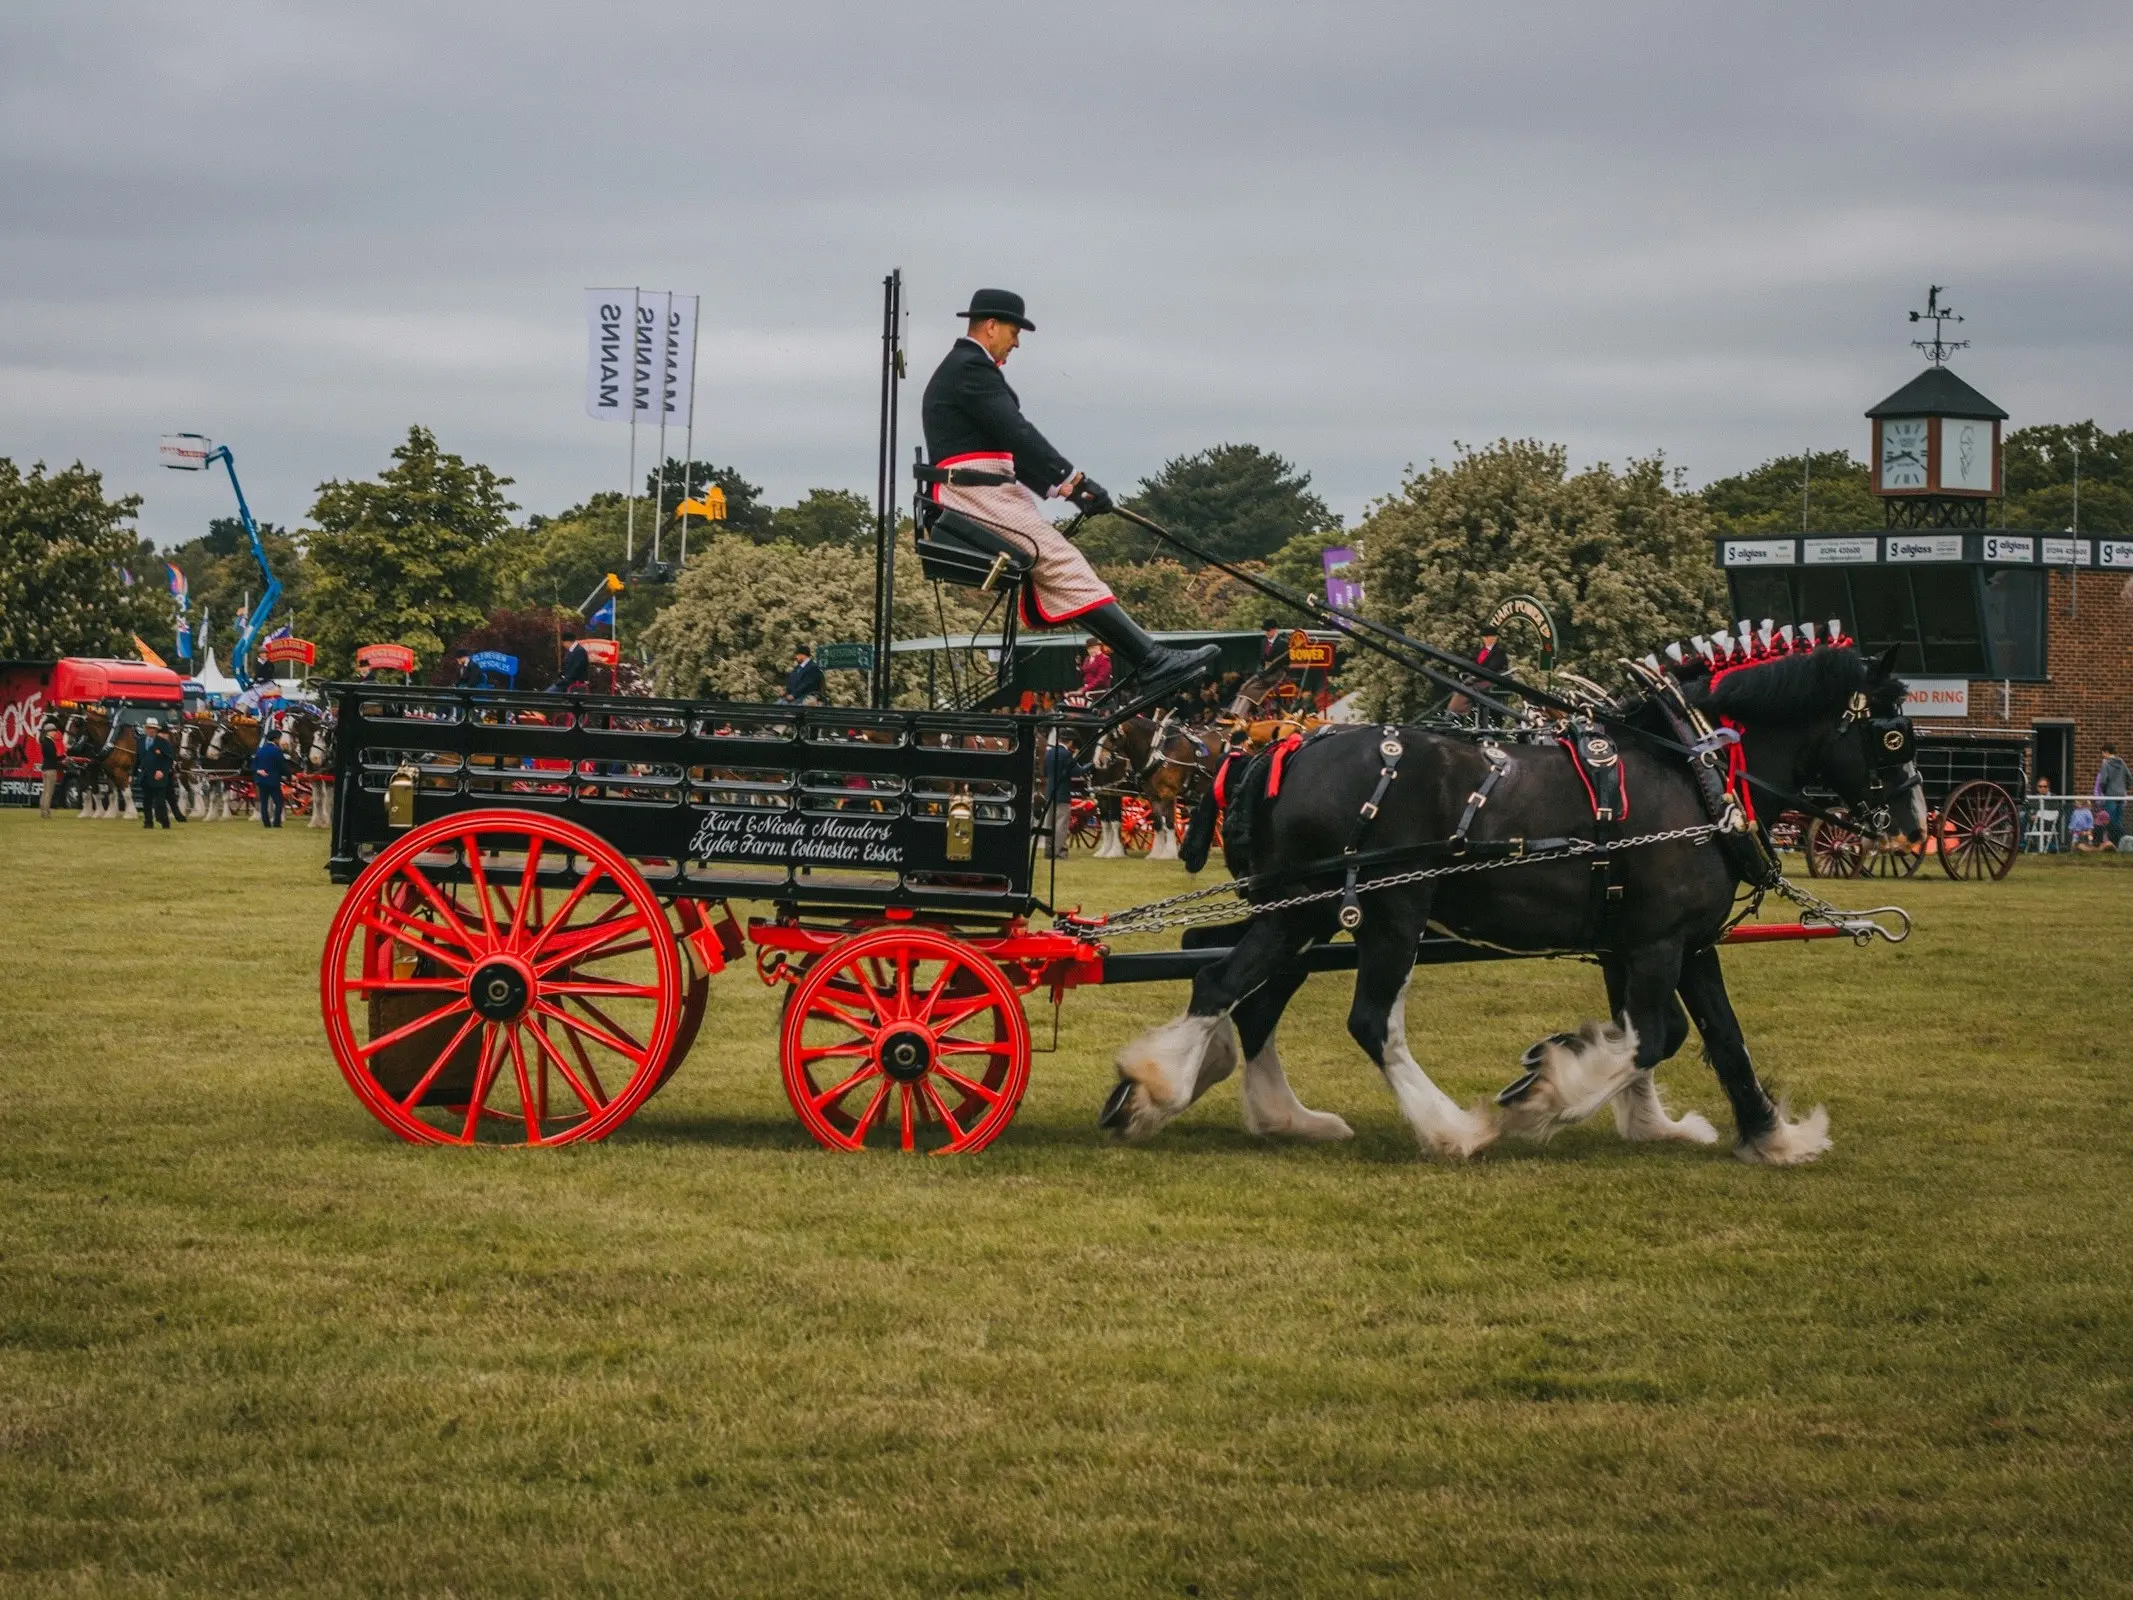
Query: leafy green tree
x=408, y=558
x=1622, y=559
x=63, y=548
x=1236, y=501
x=1838, y=493
x=2039, y=464
x=741, y=607
x=534, y=636
x=826, y=516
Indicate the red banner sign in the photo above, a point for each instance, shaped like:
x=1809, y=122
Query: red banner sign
x=602, y=652
x=290, y=650
x=385, y=658
x=1306, y=652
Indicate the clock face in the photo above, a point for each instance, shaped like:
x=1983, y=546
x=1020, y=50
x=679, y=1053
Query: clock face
x=1903, y=453
x=1966, y=454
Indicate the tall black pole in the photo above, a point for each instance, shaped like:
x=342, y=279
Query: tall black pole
x=892, y=363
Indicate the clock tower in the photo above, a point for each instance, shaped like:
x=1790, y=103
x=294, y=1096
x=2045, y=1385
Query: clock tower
x=1936, y=443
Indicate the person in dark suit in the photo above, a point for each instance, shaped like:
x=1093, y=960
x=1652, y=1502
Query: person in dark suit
x=804, y=684
x=999, y=465
x=155, y=775
x=51, y=763
x=1273, y=647
x=270, y=770
x=576, y=671
x=468, y=675
x=1493, y=656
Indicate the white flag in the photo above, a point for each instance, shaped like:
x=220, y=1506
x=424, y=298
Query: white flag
x=645, y=368
x=607, y=322
x=680, y=359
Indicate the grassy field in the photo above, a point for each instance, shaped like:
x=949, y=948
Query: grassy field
x=251, y=1344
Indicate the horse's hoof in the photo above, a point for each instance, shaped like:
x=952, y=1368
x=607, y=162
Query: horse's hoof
x=1787, y=1143
x=1118, y=1107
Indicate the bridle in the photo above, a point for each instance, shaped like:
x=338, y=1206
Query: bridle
x=1891, y=748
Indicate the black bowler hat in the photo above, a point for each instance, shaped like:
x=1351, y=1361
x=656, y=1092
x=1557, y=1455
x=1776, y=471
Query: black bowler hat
x=1004, y=304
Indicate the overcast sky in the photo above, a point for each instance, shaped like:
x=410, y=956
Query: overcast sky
x=1349, y=233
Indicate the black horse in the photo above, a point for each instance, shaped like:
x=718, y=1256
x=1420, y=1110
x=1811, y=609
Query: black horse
x=1824, y=717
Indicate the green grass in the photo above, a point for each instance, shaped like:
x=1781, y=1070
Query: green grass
x=249, y=1343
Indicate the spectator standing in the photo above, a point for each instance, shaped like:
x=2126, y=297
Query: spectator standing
x=270, y=770
x=155, y=775
x=1060, y=771
x=2111, y=779
x=803, y=685
x=52, y=762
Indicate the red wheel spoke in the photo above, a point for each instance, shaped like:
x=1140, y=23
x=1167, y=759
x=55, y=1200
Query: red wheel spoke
x=526, y=1104
x=492, y=1058
x=592, y=1101
x=598, y=1035
x=829, y=1097
x=416, y=876
x=410, y=985
x=846, y=1052
x=868, y=991
x=414, y=1095
x=528, y=885
x=907, y=1130
x=583, y=950
x=570, y=903
x=873, y=1110
x=411, y=935
x=407, y=1030
x=943, y=1024
x=606, y=1021
x=972, y=1047
x=823, y=1007
x=940, y=985
x=481, y=888
x=613, y=989
x=903, y=983
x=940, y=1109
x=970, y=1085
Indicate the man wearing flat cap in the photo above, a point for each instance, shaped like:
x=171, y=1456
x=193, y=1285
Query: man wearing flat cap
x=974, y=423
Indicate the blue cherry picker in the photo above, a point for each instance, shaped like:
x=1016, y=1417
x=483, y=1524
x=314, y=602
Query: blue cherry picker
x=192, y=452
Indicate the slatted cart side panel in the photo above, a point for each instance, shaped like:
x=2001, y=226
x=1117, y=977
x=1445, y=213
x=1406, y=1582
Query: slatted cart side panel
x=818, y=805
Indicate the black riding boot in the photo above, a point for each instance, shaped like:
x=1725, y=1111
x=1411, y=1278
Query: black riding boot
x=1151, y=668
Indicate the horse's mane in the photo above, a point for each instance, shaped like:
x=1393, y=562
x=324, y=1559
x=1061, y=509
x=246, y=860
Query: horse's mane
x=1795, y=686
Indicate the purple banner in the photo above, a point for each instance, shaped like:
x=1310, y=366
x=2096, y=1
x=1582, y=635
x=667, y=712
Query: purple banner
x=1344, y=578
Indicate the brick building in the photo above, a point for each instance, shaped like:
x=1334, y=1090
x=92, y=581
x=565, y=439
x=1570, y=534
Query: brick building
x=2023, y=630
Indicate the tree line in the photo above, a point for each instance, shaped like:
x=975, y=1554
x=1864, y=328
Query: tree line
x=429, y=553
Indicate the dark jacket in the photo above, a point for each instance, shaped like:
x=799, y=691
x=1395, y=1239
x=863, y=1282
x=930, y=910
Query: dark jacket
x=51, y=756
x=1496, y=658
x=470, y=676
x=269, y=764
x=154, y=763
x=1274, y=652
x=804, y=681
x=969, y=409
x=1060, y=771
x=577, y=667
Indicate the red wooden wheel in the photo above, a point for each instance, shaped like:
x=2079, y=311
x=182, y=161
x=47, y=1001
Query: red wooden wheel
x=1980, y=828
x=501, y=977
x=905, y=1038
x=1139, y=824
x=1835, y=851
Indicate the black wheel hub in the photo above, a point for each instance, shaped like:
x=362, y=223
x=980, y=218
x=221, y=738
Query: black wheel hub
x=906, y=1054
x=498, y=991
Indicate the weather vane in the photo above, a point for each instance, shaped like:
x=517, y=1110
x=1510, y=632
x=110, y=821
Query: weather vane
x=1937, y=349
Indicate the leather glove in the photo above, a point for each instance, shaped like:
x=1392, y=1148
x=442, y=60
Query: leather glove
x=1090, y=497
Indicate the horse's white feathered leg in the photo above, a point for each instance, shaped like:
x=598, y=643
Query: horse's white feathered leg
x=1788, y=1143
x=1569, y=1076
x=1271, y=1106
x=1166, y=1069
x=1165, y=847
x=1439, y=1123
x=1640, y=1116
x=1112, y=847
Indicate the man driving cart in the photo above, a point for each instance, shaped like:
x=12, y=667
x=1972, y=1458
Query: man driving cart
x=975, y=432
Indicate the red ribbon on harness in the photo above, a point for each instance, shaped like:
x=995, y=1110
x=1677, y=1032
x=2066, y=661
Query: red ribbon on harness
x=1737, y=771
x=1592, y=796
x=1282, y=752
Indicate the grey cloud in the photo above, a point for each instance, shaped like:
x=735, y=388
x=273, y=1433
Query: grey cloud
x=1352, y=233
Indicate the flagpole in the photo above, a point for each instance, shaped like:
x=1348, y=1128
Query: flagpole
x=688, y=449
x=629, y=547
x=659, y=495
